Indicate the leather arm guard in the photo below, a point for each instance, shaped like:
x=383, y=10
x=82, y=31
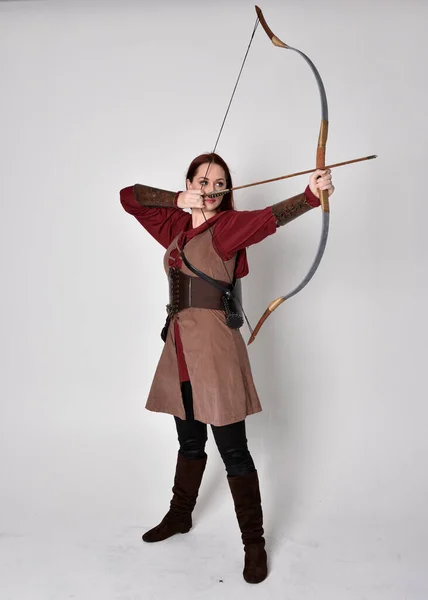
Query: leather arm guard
x=150, y=196
x=290, y=209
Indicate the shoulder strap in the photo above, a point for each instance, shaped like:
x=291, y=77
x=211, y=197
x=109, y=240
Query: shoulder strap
x=206, y=277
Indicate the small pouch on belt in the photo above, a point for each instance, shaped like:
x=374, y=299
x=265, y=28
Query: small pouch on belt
x=232, y=307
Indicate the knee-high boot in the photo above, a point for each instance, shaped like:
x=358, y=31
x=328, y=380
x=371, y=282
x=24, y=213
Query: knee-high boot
x=246, y=496
x=188, y=477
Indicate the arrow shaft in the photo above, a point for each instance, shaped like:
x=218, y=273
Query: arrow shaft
x=247, y=185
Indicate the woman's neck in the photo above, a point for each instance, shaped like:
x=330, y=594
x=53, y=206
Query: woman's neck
x=198, y=217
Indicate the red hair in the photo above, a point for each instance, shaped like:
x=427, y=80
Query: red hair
x=212, y=158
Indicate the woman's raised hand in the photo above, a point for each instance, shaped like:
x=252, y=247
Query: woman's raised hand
x=191, y=199
x=321, y=180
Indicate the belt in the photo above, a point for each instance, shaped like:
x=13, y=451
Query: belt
x=186, y=291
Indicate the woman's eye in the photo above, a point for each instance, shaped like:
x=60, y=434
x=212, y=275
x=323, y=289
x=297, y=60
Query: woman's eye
x=220, y=184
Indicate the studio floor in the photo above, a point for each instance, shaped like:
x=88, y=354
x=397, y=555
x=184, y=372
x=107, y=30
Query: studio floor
x=55, y=559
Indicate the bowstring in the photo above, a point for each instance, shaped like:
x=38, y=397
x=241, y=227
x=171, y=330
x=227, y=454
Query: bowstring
x=211, y=161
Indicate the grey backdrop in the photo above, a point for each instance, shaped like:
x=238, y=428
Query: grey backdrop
x=99, y=95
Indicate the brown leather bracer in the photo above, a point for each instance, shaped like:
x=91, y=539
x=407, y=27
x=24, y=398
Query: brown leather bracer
x=290, y=209
x=150, y=196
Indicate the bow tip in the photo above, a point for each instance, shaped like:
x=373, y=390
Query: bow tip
x=263, y=318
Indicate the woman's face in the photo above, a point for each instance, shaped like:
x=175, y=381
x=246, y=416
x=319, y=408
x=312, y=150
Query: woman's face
x=212, y=181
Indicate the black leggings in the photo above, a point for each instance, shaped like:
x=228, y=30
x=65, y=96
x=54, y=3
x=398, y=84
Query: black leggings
x=230, y=439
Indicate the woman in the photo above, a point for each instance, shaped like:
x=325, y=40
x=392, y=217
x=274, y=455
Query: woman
x=204, y=376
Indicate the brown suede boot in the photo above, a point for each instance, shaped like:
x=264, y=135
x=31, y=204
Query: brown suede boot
x=188, y=477
x=246, y=496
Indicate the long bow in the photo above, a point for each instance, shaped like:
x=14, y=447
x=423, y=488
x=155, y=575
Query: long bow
x=320, y=164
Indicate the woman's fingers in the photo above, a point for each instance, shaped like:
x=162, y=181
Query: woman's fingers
x=198, y=199
x=191, y=199
x=194, y=199
x=321, y=180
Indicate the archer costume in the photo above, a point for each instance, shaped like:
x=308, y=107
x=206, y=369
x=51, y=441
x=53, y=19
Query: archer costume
x=203, y=375
x=200, y=347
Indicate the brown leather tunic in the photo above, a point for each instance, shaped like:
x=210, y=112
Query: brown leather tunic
x=216, y=356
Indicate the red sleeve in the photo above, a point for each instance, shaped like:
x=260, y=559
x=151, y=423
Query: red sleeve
x=163, y=223
x=241, y=229
x=311, y=198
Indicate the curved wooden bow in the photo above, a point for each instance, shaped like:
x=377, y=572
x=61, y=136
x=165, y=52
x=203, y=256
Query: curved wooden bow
x=320, y=164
